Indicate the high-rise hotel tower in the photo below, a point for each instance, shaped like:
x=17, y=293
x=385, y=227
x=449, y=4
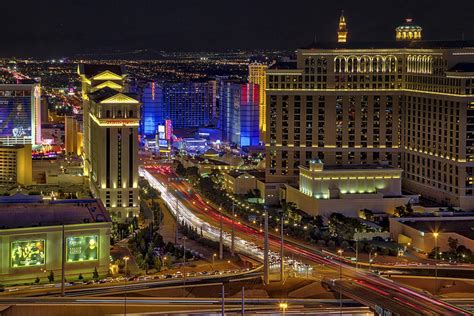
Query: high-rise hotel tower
x=111, y=120
x=406, y=102
x=257, y=75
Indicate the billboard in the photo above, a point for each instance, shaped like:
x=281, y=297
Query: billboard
x=25, y=253
x=15, y=116
x=82, y=248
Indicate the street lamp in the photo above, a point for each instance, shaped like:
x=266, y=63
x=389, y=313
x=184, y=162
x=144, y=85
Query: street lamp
x=435, y=235
x=184, y=260
x=126, y=258
x=213, y=257
x=340, y=251
x=371, y=259
x=283, y=307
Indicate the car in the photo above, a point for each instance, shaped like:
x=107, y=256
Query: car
x=168, y=276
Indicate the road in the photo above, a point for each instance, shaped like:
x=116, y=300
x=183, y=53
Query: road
x=135, y=286
x=192, y=208
x=188, y=306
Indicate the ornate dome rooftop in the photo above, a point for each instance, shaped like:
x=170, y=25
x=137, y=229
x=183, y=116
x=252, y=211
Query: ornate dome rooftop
x=408, y=31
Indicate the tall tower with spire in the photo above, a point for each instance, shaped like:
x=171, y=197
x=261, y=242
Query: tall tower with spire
x=342, y=29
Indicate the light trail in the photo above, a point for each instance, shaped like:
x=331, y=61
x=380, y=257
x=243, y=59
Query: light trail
x=181, y=212
x=403, y=294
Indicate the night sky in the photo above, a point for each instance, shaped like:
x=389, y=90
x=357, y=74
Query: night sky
x=54, y=28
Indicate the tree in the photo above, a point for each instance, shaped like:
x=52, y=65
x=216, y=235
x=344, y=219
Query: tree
x=403, y=210
x=331, y=244
x=368, y=214
x=180, y=170
x=453, y=244
x=157, y=263
x=80, y=278
x=51, y=276
x=344, y=245
x=95, y=274
x=318, y=221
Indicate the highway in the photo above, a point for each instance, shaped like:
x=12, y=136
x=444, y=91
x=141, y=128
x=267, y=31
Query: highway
x=398, y=299
x=152, y=306
x=136, y=286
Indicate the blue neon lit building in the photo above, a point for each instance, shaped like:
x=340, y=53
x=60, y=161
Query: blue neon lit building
x=239, y=113
x=186, y=104
x=152, y=110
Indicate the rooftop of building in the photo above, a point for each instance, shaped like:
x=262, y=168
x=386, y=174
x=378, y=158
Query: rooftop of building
x=260, y=175
x=208, y=161
x=409, y=25
x=107, y=92
x=359, y=167
x=462, y=67
x=381, y=166
x=13, y=146
x=413, y=44
x=284, y=65
x=25, y=211
x=91, y=70
x=445, y=224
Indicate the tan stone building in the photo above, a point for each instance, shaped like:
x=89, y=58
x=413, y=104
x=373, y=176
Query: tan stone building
x=16, y=165
x=72, y=136
x=424, y=233
x=408, y=102
x=325, y=189
x=111, y=120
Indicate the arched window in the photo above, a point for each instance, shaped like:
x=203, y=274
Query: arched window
x=430, y=64
x=418, y=64
x=364, y=64
x=339, y=64
x=378, y=64
x=391, y=63
x=352, y=64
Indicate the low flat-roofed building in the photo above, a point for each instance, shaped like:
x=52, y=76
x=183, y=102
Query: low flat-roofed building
x=31, y=238
x=325, y=189
x=241, y=182
x=237, y=182
x=206, y=165
x=420, y=232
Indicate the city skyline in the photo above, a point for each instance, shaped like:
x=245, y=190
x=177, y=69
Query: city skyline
x=333, y=173
x=53, y=30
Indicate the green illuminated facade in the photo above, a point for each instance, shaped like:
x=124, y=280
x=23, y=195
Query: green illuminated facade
x=30, y=249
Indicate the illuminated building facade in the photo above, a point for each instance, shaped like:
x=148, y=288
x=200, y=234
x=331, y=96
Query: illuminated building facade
x=408, y=31
x=20, y=113
x=186, y=104
x=324, y=189
x=72, y=136
x=342, y=29
x=152, y=110
x=16, y=165
x=325, y=182
x=239, y=113
x=31, y=238
x=111, y=120
x=407, y=103
x=257, y=75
